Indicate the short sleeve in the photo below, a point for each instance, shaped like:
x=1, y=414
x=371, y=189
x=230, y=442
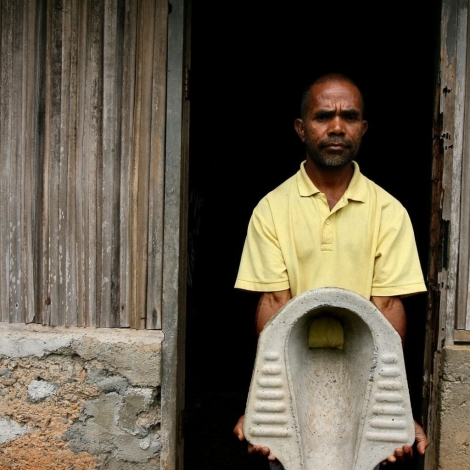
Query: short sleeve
x=397, y=269
x=262, y=266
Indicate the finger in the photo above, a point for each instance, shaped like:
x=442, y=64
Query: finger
x=253, y=449
x=407, y=452
x=422, y=446
x=273, y=460
x=238, y=429
x=265, y=451
x=257, y=450
x=399, y=455
x=421, y=439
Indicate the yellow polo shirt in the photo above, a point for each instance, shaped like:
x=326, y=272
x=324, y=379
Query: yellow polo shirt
x=365, y=243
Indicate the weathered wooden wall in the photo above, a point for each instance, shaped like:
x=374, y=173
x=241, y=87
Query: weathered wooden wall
x=448, y=320
x=82, y=125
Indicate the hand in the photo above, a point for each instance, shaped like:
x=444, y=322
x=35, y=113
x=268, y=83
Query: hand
x=254, y=450
x=405, y=453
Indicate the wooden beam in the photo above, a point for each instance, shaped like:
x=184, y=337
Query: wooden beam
x=174, y=275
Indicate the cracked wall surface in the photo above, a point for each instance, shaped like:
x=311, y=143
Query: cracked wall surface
x=454, y=442
x=79, y=399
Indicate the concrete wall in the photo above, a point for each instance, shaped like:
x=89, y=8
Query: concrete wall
x=454, y=440
x=79, y=398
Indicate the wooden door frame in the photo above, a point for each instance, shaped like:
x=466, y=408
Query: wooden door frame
x=448, y=219
x=175, y=234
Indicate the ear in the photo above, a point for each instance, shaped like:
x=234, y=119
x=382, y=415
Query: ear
x=365, y=126
x=299, y=128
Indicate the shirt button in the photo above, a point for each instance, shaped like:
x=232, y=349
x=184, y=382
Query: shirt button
x=327, y=222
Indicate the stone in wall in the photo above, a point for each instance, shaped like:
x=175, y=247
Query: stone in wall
x=41, y=446
x=79, y=401
x=454, y=442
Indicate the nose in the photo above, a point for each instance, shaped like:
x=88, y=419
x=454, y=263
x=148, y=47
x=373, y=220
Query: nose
x=336, y=126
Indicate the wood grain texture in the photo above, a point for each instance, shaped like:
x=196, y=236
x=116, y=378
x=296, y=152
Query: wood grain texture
x=82, y=139
x=156, y=169
x=6, y=103
x=174, y=274
x=463, y=293
x=445, y=224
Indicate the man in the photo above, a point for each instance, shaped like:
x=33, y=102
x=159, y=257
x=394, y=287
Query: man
x=330, y=226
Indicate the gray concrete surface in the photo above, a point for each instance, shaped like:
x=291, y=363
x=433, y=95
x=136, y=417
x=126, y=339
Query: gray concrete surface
x=329, y=408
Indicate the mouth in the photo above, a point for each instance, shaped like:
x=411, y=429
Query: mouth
x=336, y=146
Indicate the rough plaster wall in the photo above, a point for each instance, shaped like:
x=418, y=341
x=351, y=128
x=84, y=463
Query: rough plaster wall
x=454, y=445
x=74, y=400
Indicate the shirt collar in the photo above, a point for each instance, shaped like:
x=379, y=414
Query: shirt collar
x=356, y=191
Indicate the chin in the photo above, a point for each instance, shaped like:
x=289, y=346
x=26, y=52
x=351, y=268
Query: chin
x=332, y=161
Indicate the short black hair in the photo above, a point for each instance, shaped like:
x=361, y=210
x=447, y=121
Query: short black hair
x=327, y=78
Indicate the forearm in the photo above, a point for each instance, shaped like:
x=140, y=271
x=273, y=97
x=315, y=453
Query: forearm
x=393, y=310
x=269, y=304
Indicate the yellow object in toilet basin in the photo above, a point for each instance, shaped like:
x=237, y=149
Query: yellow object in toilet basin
x=326, y=332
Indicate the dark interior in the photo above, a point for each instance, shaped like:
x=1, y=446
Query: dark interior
x=250, y=63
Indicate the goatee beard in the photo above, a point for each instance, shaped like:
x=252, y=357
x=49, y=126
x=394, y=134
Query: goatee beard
x=331, y=160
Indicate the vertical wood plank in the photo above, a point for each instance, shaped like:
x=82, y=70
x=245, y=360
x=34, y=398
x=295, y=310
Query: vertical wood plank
x=44, y=216
x=32, y=16
x=92, y=158
x=109, y=315
x=446, y=278
x=183, y=259
x=6, y=65
x=174, y=277
x=53, y=167
x=127, y=126
x=463, y=298
x=70, y=94
x=39, y=164
x=97, y=58
x=456, y=309
x=157, y=167
x=81, y=213
x=141, y=162
x=63, y=153
x=16, y=169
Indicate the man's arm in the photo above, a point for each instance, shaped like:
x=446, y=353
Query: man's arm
x=268, y=305
x=394, y=311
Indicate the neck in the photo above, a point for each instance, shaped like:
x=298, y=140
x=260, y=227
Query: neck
x=333, y=182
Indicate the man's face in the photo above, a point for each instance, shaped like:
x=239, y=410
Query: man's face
x=333, y=125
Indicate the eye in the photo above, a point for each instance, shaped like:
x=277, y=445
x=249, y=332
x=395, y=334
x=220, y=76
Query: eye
x=322, y=117
x=351, y=117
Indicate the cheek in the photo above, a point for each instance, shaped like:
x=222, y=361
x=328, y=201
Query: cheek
x=313, y=135
x=356, y=135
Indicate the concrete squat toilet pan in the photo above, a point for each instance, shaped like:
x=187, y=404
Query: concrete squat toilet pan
x=329, y=388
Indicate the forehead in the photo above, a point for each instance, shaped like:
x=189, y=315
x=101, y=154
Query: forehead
x=335, y=95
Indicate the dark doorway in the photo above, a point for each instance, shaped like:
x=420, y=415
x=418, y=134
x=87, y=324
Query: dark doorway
x=250, y=62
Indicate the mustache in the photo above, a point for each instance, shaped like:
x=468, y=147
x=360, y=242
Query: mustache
x=336, y=141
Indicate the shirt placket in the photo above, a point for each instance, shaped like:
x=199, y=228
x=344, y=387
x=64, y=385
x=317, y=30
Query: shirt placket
x=328, y=220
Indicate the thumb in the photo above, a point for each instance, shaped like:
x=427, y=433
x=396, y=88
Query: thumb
x=422, y=441
x=238, y=429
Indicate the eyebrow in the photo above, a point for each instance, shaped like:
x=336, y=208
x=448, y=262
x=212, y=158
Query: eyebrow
x=347, y=113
